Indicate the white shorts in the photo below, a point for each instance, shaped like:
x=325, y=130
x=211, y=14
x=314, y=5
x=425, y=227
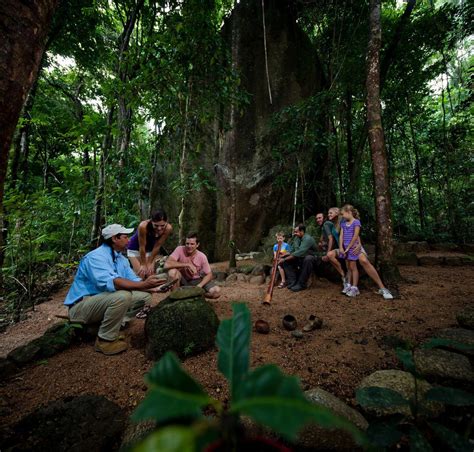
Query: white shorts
x=135, y=253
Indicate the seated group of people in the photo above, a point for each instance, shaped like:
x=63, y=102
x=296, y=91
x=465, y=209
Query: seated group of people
x=110, y=290
x=340, y=244
x=106, y=290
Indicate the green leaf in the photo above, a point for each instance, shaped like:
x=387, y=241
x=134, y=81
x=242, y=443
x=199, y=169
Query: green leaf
x=376, y=397
x=168, y=439
x=277, y=401
x=233, y=340
x=406, y=357
x=383, y=435
x=450, y=396
x=173, y=393
x=452, y=439
x=418, y=442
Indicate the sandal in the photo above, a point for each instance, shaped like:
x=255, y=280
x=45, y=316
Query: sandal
x=281, y=285
x=314, y=323
x=143, y=313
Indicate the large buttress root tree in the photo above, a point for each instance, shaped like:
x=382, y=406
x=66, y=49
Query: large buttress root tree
x=23, y=30
x=383, y=205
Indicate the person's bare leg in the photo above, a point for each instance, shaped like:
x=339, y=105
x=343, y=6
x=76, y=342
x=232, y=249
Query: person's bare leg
x=335, y=263
x=282, y=275
x=370, y=270
x=354, y=272
x=173, y=274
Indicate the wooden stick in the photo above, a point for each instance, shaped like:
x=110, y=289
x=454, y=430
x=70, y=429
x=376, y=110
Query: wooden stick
x=268, y=296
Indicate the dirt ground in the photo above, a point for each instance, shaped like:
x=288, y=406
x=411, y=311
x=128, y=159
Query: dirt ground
x=349, y=347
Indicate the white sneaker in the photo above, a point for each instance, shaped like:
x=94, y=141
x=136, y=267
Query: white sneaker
x=353, y=292
x=385, y=293
x=346, y=288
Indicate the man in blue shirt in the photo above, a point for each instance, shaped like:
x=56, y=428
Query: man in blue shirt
x=105, y=288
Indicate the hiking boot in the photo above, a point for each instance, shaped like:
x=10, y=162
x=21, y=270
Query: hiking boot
x=297, y=288
x=385, y=293
x=111, y=347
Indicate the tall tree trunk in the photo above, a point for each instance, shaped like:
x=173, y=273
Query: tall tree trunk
x=387, y=61
x=100, y=193
x=23, y=30
x=383, y=208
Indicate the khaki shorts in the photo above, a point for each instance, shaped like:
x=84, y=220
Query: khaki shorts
x=195, y=282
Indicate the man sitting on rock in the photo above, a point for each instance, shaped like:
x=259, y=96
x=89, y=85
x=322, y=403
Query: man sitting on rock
x=191, y=268
x=299, y=264
x=106, y=290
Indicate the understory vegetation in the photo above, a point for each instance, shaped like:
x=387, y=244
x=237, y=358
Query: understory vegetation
x=132, y=88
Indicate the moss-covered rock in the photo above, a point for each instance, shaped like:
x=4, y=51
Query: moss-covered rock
x=442, y=364
x=56, y=339
x=403, y=383
x=186, y=292
x=313, y=436
x=186, y=326
x=86, y=422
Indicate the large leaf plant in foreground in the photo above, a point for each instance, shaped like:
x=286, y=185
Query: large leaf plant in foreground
x=176, y=401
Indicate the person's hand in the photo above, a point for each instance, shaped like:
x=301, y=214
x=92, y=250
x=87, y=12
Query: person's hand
x=151, y=282
x=357, y=249
x=192, y=268
x=142, y=271
x=341, y=251
x=325, y=258
x=150, y=269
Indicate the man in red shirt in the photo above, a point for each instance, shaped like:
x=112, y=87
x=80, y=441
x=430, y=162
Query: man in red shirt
x=191, y=267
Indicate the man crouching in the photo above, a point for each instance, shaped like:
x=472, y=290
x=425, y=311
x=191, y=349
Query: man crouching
x=107, y=291
x=191, y=268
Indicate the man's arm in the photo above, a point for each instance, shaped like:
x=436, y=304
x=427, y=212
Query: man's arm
x=173, y=263
x=207, y=278
x=306, y=244
x=127, y=284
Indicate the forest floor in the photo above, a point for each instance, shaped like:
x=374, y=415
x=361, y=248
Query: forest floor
x=351, y=344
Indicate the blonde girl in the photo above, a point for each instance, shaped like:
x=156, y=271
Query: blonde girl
x=349, y=241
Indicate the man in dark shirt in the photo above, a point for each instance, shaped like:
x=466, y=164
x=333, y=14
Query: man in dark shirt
x=299, y=264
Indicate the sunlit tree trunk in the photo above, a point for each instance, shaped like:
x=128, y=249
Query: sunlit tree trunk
x=23, y=30
x=383, y=208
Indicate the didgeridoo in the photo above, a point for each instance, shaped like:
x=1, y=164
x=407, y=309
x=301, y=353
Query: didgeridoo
x=269, y=294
